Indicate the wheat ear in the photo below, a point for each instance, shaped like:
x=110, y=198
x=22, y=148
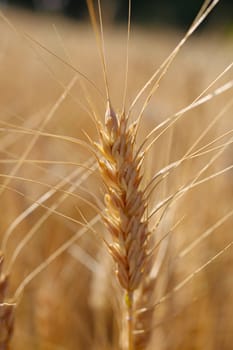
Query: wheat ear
x=6, y=310
x=125, y=206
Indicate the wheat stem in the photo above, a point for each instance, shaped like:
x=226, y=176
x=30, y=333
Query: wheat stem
x=129, y=298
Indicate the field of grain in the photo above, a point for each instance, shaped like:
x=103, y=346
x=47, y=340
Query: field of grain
x=52, y=193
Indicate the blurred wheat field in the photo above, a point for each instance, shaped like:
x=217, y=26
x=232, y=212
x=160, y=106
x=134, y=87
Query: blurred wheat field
x=70, y=305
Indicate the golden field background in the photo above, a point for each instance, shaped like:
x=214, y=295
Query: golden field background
x=72, y=304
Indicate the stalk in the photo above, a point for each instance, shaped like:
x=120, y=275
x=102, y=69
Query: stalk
x=130, y=320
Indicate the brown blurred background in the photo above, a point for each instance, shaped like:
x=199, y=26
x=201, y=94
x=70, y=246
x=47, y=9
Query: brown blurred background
x=167, y=12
